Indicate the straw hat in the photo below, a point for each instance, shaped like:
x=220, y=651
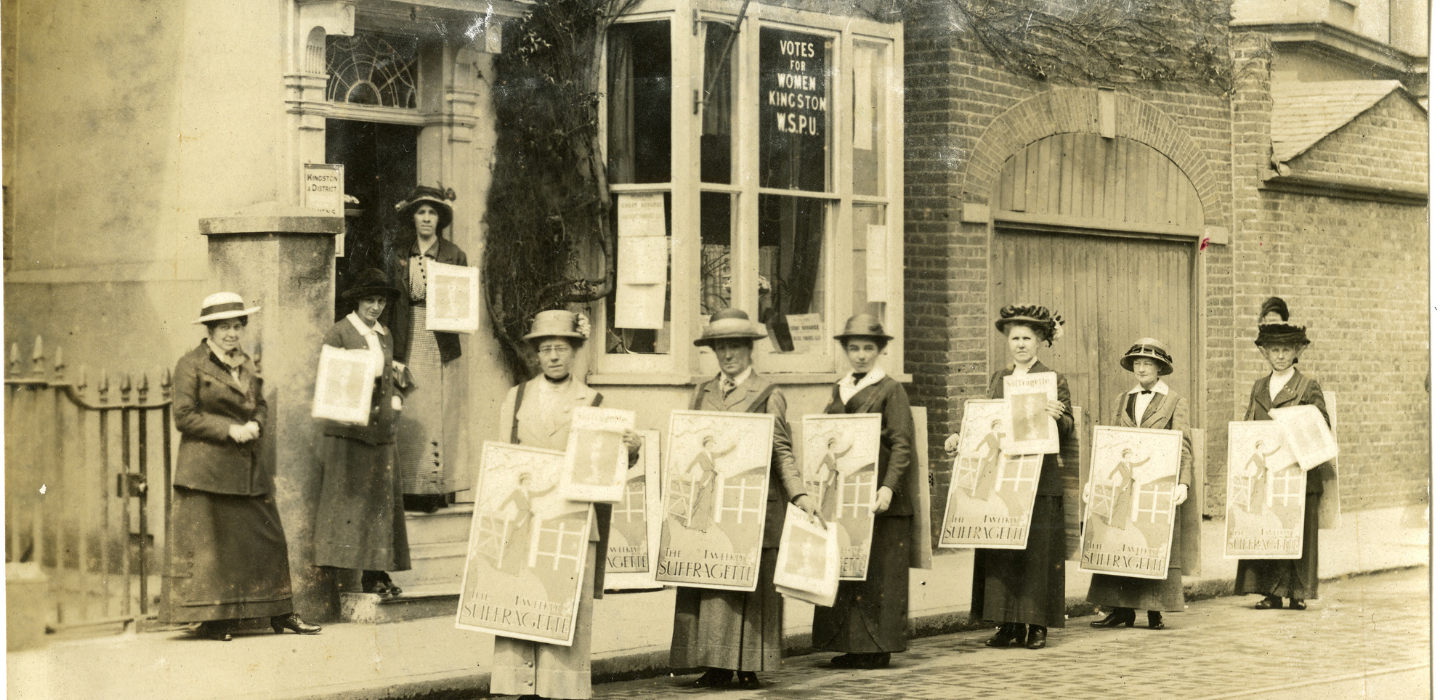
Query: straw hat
x=223, y=305
x=1148, y=348
x=371, y=282
x=434, y=196
x=728, y=324
x=558, y=323
x=863, y=326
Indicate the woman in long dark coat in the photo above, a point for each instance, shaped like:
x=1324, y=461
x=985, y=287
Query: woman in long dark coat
x=1016, y=587
x=1154, y=405
x=361, y=520
x=867, y=623
x=227, y=558
x=1282, y=344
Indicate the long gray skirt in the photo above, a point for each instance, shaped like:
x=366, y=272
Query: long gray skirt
x=226, y=560
x=361, y=519
x=870, y=616
x=420, y=435
x=1287, y=578
x=1167, y=594
x=523, y=667
x=1025, y=585
x=730, y=629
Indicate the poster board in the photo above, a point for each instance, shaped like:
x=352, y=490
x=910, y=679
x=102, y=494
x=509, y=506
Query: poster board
x=917, y=486
x=452, y=297
x=1264, y=494
x=596, y=461
x=840, y=454
x=1330, y=473
x=808, y=564
x=635, y=536
x=526, y=558
x=716, y=479
x=1028, y=429
x=1130, y=518
x=344, y=383
x=992, y=495
x=1074, y=465
x=1306, y=434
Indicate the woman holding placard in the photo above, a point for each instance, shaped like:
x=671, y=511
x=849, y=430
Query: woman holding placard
x=1015, y=587
x=867, y=623
x=226, y=558
x=1150, y=404
x=1282, y=344
x=429, y=354
x=361, y=520
x=537, y=413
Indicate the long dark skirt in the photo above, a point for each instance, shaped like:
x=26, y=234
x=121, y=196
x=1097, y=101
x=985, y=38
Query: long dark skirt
x=870, y=616
x=226, y=558
x=1025, y=585
x=1287, y=578
x=729, y=629
x=361, y=520
x=1167, y=594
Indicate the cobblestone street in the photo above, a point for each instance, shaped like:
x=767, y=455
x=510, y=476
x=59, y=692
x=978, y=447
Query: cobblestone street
x=1368, y=637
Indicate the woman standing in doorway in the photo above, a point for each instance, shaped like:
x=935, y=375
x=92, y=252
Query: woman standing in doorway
x=429, y=354
x=1020, y=588
x=227, y=559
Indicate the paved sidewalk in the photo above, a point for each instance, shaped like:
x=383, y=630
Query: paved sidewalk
x=1368, y=637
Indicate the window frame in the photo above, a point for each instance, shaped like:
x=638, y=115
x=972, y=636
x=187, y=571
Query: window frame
x=686, y=363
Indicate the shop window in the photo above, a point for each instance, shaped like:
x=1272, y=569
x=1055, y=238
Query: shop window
x=794, y=110
x=717, y=108
x=372, y=69
x=792, y=283
x=638, y=102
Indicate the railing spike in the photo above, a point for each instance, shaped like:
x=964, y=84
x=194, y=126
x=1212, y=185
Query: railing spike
x=59, y=365
x=165, y=384
x=125, y=386
x=143, y=388
x=37, y=358
x=14, y=360
x=103, y=389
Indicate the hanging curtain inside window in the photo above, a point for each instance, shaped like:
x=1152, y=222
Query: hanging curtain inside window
x=620, y=98
x=715, y=143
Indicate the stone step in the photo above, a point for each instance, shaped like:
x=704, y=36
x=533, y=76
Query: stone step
x=368, y=608
x=445, y=525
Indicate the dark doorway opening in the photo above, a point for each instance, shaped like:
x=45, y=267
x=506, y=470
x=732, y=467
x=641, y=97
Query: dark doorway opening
x=380, y=169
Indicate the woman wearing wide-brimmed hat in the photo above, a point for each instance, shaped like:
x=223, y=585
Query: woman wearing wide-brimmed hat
x=360, y=523
x=1024, y=590
x=727, y=632
x=538, y=413
x=421, y=440
x=1282, y=343
x=1154, y=405
x=227, y=559
x=868, y=621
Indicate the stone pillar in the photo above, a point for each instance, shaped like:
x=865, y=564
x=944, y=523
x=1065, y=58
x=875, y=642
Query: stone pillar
x=282, y=258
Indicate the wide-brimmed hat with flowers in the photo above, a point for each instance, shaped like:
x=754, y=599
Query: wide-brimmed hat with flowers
x=559, y=323
x=728, y=324
x=222, y=305
x=437, y=197
x=1149, y=348
x=1049, y=327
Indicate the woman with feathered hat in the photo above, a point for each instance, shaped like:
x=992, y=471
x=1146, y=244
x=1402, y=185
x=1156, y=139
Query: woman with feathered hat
x=1024, y=590
x=428, y=354
x=1282, y=343
x=1154, y=405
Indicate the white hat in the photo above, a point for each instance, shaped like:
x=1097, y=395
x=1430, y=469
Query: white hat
x=222, y=305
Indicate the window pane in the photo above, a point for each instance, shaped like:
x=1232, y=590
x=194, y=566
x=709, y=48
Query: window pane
x=868, y=156
x=638, y=102
x=865, y=216
x=718, y=109
x=716, y=210
x=372, y=69
x=794, y=110
x=792, y=275
x=641, y=299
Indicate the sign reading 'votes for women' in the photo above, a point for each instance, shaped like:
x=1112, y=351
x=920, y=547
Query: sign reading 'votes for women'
x=1131, y=515
x=992, y=495
x=1264, y=494
x=794, y=109
x=527, y=555
x=716, y=476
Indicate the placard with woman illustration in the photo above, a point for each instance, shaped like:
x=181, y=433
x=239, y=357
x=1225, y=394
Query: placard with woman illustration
x=1131, y=513
x=838, y=464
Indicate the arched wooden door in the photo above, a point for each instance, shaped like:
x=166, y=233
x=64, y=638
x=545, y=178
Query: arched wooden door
x=1103, y=232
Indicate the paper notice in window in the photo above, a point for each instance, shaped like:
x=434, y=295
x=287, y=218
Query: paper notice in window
x=640, y=215
x=877, y=279
x=643, y=260
x=807, y=332
x=640, y=306
x=452, y=298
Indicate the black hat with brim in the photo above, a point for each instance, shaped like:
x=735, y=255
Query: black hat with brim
x=1281, y=334
x=371, y=283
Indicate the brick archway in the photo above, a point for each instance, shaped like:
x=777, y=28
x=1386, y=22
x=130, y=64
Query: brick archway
x=1077, y=110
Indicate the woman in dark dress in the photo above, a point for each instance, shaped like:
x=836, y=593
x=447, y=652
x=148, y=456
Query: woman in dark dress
x=1282, y=344
x=1154, y=405
x=227, y=558
x=361, y=520
x=1020, y=588
x=867, y=623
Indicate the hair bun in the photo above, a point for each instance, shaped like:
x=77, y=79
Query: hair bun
x=1274, y=305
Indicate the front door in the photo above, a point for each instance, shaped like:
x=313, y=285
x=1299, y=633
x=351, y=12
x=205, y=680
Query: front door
x=380, y=169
